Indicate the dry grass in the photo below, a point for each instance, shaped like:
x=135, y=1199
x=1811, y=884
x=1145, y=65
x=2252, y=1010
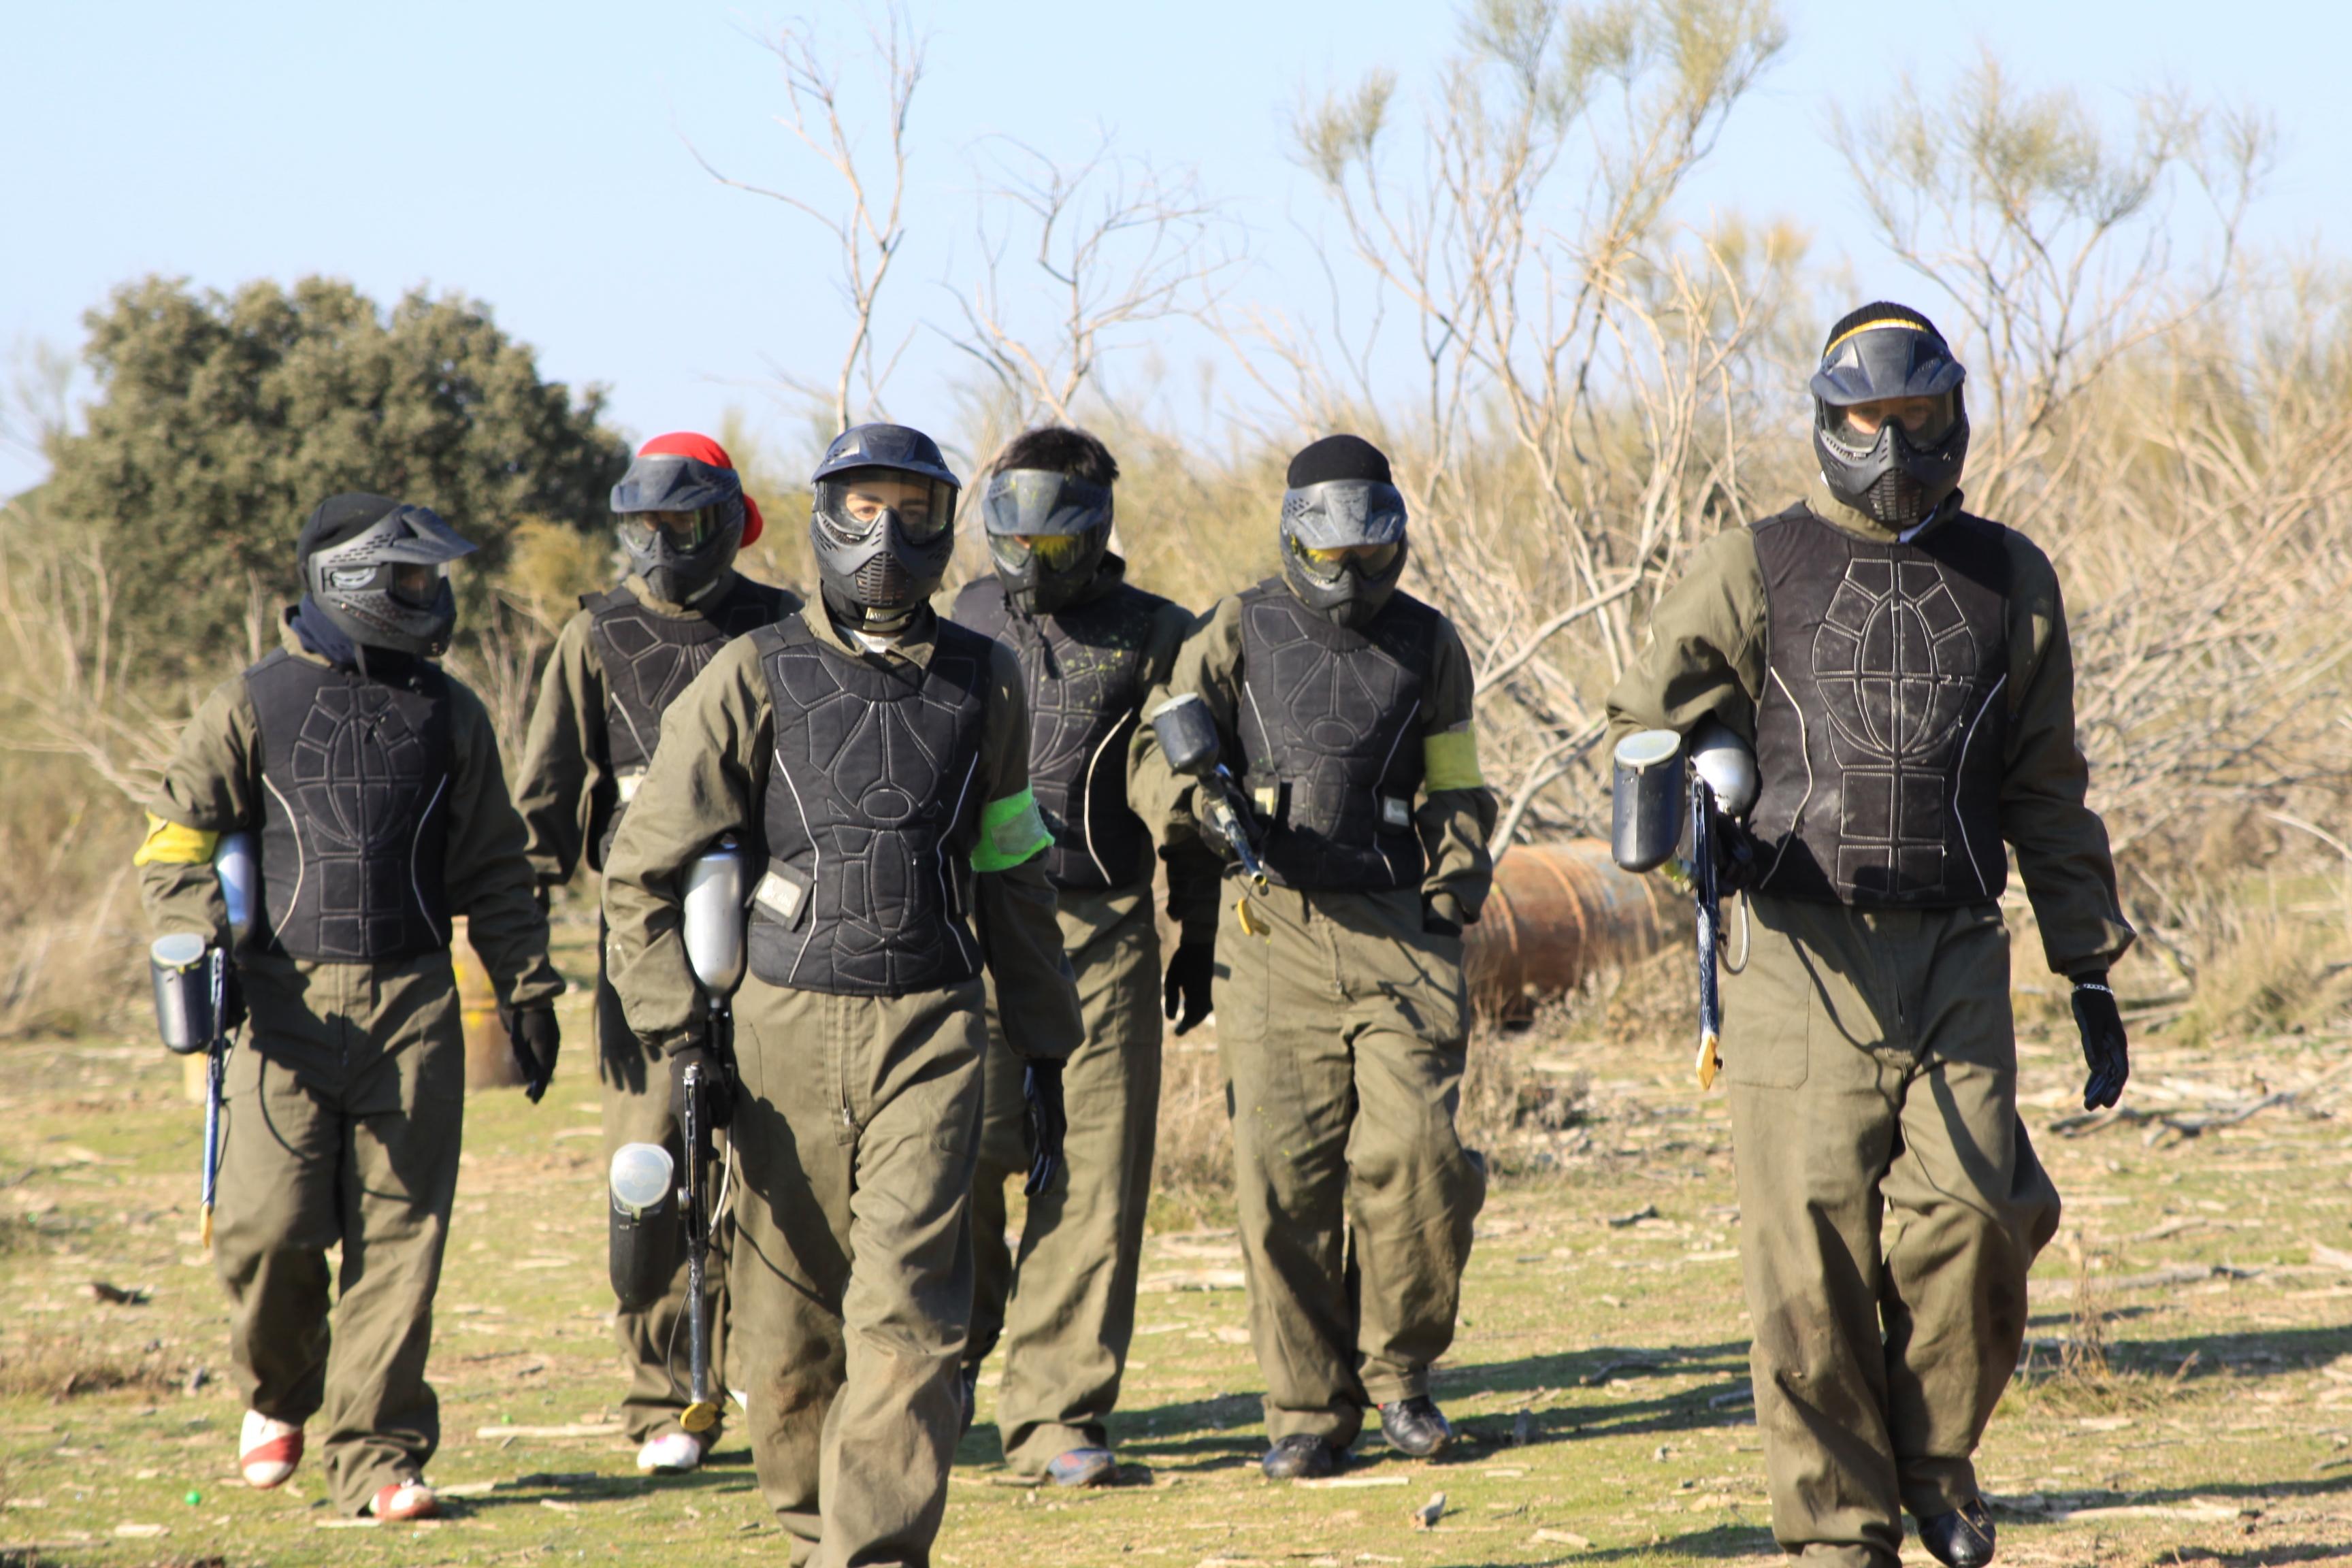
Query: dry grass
x=59, y=1367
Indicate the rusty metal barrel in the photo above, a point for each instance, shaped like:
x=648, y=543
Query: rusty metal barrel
x=1557, y=913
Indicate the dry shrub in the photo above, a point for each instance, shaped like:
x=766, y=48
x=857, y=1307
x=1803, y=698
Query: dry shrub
x=1192, y=1167
x=61, y=1366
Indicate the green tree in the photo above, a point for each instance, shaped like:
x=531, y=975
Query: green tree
x=221, y=420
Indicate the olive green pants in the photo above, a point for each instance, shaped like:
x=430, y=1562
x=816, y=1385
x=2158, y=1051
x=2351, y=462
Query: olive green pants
x=1890, y=1205
x=854, y=1142
x=1065, y=1309
x=359, y=1152
x=1342, y=1034
x=636, y=1106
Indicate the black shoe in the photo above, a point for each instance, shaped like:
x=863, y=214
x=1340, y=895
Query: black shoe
x=1415, y=1426
x=970, y=1379
x=1301, y=1456
x=1960, y=1538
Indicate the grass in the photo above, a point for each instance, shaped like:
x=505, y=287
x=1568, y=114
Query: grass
x=2188, y=1397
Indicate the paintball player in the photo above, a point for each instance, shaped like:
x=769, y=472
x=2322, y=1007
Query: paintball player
x=1341, y=1015
x=371, y=779
x=1090, y=645
x=619, y=663
x=873, y=761
x=1902, y=670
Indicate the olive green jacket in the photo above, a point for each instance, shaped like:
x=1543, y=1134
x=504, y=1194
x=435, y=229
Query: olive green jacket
x=1193, y=871
x=1707, y=653
x=1456, y=812
x=709, y=778
x=213, y=787
x=566, y=789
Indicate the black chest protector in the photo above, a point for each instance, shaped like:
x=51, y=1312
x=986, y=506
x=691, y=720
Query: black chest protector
x=1879, y=737
x=1332, y=736
x=872, y=812
x=648, y=659
x=354, y=816
x=1083, y=667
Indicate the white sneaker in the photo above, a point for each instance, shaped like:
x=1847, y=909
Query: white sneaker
x=268, y=1450
x=671, y=1454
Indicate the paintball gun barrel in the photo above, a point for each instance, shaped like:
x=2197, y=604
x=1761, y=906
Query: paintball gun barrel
x=716, y=895
x=192, y=980
x=1662, y=790
x=1187, y=733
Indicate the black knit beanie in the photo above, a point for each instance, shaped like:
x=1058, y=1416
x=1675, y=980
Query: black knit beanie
x=1339, y=457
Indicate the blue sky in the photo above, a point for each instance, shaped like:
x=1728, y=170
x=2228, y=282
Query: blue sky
x=533, y=155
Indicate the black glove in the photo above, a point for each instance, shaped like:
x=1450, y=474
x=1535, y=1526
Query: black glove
x=2104, y=1048
x=1737, y=863
x=232, y=1011
x=1041, y=1086
x=1440, y=915
x=717, y=1085
x=532, y=1033
x=1185, y=997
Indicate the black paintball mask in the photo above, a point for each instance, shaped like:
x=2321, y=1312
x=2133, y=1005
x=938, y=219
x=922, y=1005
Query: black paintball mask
x=380, y=570
x=1343, y=521
x=1046, y=535
x=681, y=522
x=882, y=524
x=1898, y=460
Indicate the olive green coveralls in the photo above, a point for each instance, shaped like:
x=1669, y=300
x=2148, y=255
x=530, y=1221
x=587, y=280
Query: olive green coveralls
x=344, y=1105
x=1065, y=1306
x=568, y=794
x=857, y=1129
x=1342, y=1032
x=1890, y=1201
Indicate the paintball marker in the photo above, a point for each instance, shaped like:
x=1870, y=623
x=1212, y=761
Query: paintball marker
x=716, y=896
x=1187, y=733
x=1648, y=819
x=192, y=983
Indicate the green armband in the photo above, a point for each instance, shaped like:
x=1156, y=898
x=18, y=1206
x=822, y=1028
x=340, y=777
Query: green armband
x=1010, y=831
x=1449, y=760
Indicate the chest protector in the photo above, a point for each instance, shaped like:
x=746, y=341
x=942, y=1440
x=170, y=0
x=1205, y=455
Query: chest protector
x=1879, y=737
x=872, y=810
x=355, y=816
x=1331, y=728
x=1083, y=667
x=648, y=659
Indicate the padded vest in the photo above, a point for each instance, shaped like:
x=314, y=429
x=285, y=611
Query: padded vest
x=648, y=659
x=1331, y=730
x=354, y=817
x=1083, y=667
x=872, y=810
x=1879, y=737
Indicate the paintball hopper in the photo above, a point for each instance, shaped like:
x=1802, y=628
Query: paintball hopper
x=1646, y=814
x=184, y=992
x=716, y=897
x=644, y=1243
x=1727, y=763
x=1187, y=734
x=239, y=871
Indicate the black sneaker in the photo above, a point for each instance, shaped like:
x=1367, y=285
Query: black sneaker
x=1301, y=1456
x=1960, y=1538
x=1415, y=1426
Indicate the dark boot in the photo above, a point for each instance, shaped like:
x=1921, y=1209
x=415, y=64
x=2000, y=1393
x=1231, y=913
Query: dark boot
x=1960, y=1538
x=1301, y=1456
x=1415, y=1426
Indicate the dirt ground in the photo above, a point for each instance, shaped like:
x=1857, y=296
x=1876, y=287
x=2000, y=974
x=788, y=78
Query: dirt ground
x=2187, y=1399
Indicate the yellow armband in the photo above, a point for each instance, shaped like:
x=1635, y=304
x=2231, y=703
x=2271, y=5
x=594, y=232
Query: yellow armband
x=169, y=844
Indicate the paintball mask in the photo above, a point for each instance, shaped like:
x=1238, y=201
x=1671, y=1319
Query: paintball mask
x=1890, y=427
x=384, y=585
x=882, y=524
x=681, y=521
x=1046, y=535
x=1342, y=531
